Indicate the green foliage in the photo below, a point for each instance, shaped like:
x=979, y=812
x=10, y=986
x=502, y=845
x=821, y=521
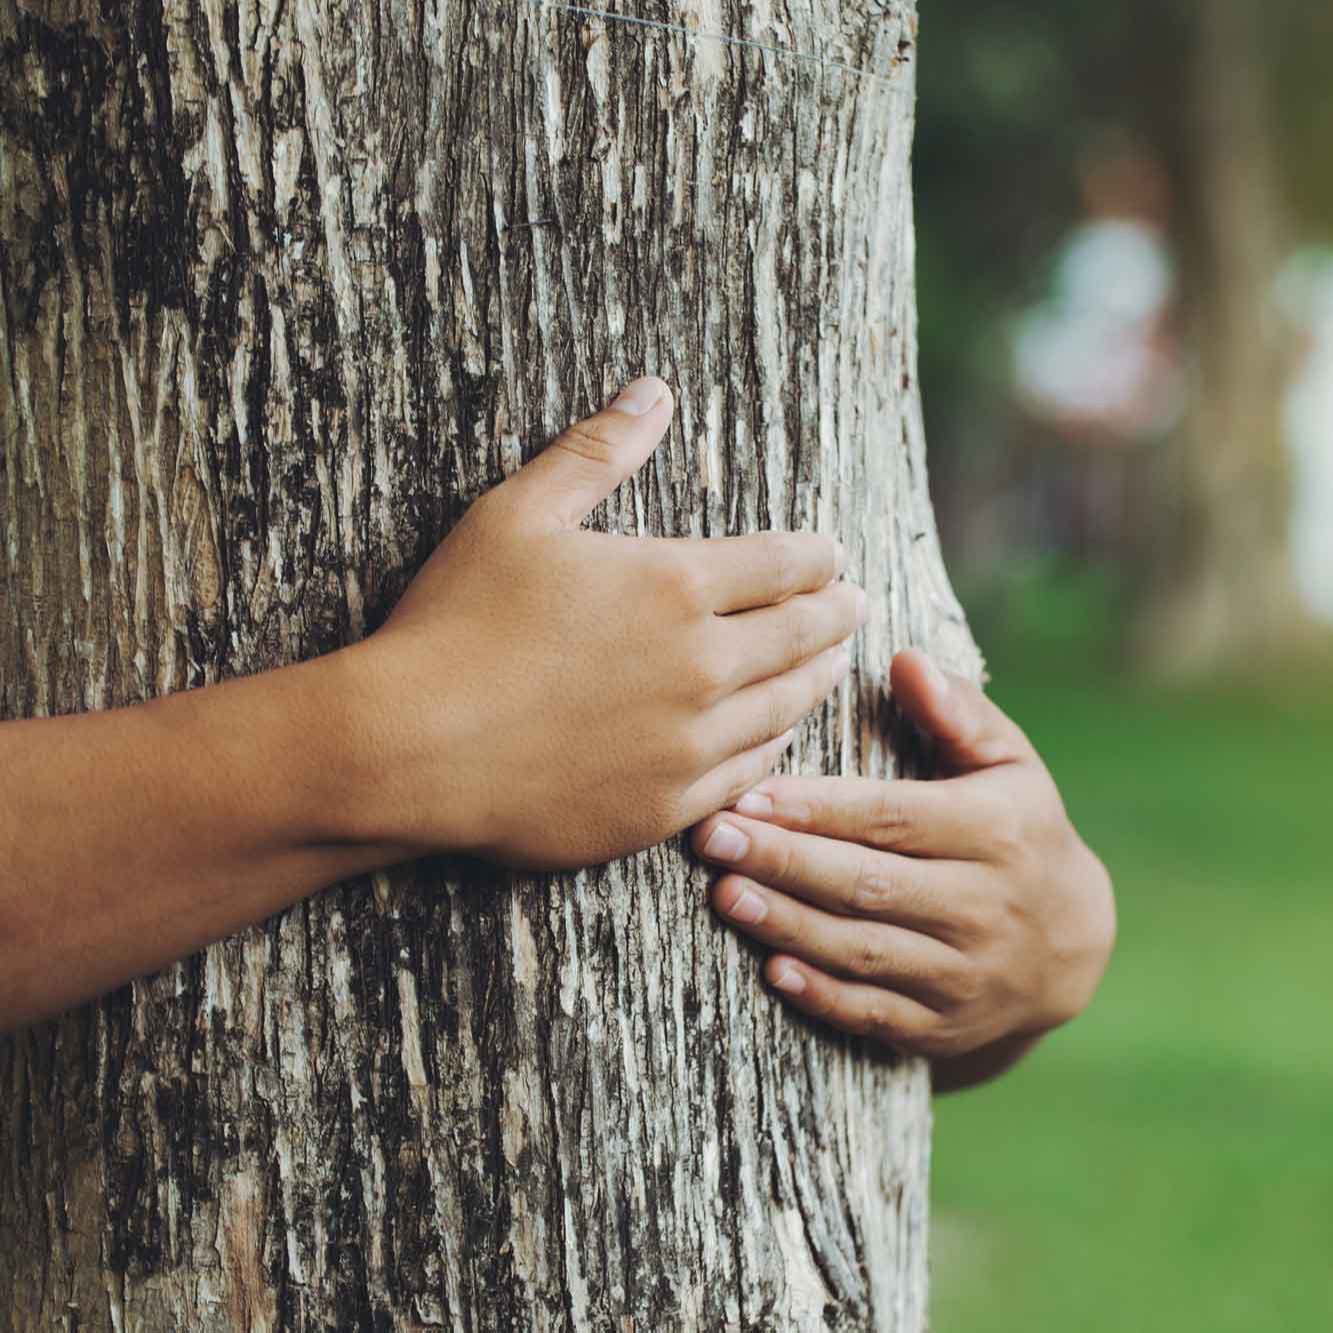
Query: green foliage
x=1163, y=1163
x=1052, y=609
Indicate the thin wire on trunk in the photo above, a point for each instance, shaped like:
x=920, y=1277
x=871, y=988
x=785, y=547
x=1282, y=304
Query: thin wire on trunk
x=695, y=34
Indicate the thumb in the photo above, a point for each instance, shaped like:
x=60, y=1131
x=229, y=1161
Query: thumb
x=586, y=463
x=969, y=730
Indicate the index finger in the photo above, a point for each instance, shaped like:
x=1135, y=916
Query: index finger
x=951, y=818
x=928, y=897
x=765, y=568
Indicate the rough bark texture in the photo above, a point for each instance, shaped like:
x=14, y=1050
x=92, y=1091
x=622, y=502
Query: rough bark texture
x=285, y=285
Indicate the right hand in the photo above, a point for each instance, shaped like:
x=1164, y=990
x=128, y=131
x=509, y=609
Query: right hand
x=552, y=697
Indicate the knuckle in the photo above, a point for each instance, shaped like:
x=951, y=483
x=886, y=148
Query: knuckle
x=887, y=821
x=882, y=1025
x=586, y=440
x=962, y=982
x=783, y=562
x=868, y=957
x=1007, y=833
x=1034, y=993
x=784, y=935
x=871, y=886
x=800, y=630
x=776, y=857
x=685, y=585
x=708, y=673
x=982, y=920
x=692, y=750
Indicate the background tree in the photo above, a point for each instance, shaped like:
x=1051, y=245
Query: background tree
x=283, y=288
x=1224, y=581
x=1234, y=113
x=1013, y=95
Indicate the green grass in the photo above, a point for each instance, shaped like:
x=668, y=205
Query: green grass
x=1166, y=1163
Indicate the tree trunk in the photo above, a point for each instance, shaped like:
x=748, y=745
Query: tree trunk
x=286, y=285
x=1226, y=580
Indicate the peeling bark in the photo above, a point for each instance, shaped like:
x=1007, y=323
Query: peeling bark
x=284, y=285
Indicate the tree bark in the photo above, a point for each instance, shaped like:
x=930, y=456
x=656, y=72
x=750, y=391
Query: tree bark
x=285, y=285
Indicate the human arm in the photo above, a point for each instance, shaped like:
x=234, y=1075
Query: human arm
x=541, y=696
x=960, y=919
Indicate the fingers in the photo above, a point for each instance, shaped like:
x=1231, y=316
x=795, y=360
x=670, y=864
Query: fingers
x=840, y=877
x=910, y=963
x=950, y=818
x=769, y=642
x=881, y=1015
x=585, y=464
x=969, y=729
x=757, y=713
x=718, y=789
x=769, y=567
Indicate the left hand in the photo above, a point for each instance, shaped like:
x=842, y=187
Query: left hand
x=958, y=919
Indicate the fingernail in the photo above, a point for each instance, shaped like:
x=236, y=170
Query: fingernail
x=726, y=843
x=862, y=606
x=839, y=560
x=754, y=803
x=790, y=980
x=842, y=664
x=640, y=397
x=749, y=909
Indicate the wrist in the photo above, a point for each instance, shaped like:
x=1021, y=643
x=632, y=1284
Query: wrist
x=291, y=743
x=957, y=1073
x=383, y=779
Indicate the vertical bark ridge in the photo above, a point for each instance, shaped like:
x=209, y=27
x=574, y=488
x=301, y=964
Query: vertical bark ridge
x=285, y=284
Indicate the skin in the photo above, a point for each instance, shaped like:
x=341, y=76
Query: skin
x=960, y=919
x=481, y=719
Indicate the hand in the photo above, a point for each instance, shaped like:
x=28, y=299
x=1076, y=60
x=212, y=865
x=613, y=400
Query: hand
x=549, y=696
x=959, y=919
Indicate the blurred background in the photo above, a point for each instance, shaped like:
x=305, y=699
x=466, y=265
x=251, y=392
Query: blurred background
x=1125, y=223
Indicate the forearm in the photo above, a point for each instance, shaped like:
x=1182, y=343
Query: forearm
x=131, y=838
x=480, y=718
